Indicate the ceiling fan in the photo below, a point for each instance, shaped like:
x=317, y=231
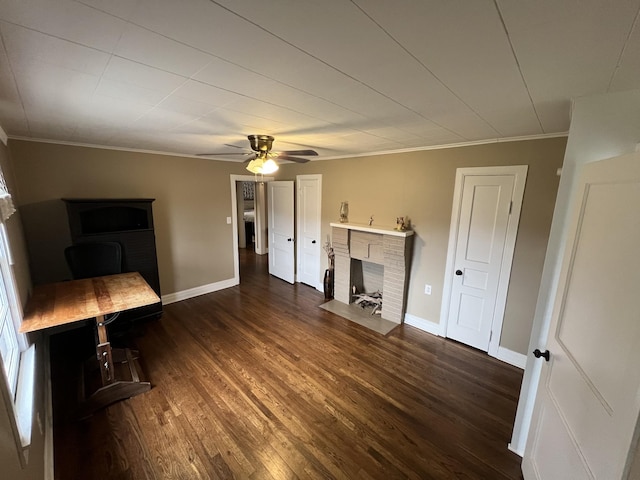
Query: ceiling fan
x=263, y=161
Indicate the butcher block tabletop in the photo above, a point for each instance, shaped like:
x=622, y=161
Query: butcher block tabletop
x=60, y=303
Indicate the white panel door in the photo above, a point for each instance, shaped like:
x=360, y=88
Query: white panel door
x=482, y=228
x=588, y=400
x=281, y=233
x=308, y=238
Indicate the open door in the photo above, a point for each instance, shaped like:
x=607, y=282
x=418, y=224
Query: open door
x=281, y=230
x=585, y=419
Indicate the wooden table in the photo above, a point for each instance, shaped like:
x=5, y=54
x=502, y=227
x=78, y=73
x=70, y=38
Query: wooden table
x=62, y=303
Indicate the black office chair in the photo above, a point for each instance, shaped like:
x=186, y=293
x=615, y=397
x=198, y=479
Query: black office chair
x=86, y=260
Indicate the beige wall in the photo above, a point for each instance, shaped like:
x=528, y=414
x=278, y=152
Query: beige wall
x=9, y=459
x=419, y=185
x=193, y=200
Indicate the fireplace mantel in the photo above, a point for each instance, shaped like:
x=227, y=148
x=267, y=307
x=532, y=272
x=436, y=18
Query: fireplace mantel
x=370, y=229
x=378, y=245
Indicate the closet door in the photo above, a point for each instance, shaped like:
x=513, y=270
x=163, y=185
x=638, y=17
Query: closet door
x=281, y=230
x=308, y=214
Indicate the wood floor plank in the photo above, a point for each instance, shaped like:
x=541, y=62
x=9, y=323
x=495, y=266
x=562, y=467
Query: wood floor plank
x=257, y=382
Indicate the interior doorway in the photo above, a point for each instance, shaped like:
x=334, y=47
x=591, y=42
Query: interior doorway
x=259, y=217
x=308, y=218
x=245, y=194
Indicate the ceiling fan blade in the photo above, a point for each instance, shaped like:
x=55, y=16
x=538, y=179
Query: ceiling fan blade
x=292, y=159
x=311, y=153
x=221, y=153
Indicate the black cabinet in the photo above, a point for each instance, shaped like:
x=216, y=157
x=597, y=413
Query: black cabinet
x=128, y=221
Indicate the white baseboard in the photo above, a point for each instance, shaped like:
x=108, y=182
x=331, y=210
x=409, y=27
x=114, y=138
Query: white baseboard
x=196, y=291
x=426, y=325
x=517, y=452
x=504, y=354
x=513, y=358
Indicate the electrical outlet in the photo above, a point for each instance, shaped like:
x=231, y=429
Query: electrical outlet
x=427, y=289
x=228, y=220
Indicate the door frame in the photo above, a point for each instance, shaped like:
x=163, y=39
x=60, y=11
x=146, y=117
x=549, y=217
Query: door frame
x=234, y=218
x=318, y=177
x=520, y=174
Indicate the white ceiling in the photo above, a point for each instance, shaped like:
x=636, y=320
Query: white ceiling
x=342, y=77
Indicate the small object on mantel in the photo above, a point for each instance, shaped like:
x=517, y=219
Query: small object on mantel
x=371, y=220
x=344, y=212
x=400, y=225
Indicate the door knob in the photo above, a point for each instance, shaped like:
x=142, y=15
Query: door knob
x=458, y=272
x=537, y=353
x=313, y=241
x=288, y=239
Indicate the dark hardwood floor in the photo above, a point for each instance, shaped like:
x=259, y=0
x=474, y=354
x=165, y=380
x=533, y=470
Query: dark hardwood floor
x=257, y=382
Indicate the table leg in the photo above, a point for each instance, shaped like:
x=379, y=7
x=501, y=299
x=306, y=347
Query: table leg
x=103, y=352
x=112, y=389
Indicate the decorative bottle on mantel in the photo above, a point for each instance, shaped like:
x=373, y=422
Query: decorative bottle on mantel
x=344, y=212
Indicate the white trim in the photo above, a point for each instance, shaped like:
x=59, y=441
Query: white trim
x=24, y=394
x=512, y=358
x=378, y=229
x=120, y=149
x=3, y=137
x=423, y=324
x=234, y=219
x=298, y=212
x=520, y=174
x=515, y=450
x=260, y=226
x=49, y=468
x=234, y=222
x=197, y=291
x=504, y=354
x=471, y=143
x=10, y=410
x=334, y=157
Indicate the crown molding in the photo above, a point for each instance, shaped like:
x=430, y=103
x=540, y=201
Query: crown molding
x=452, y=145
x=111, y=147
x=3, y=137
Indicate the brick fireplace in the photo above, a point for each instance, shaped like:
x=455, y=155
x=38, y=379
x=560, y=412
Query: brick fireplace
x=386, y=251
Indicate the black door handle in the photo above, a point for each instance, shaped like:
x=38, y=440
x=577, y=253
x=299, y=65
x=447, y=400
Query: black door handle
x=458, y=272
x=546, y=354
x=288, y=239
x=313, y=241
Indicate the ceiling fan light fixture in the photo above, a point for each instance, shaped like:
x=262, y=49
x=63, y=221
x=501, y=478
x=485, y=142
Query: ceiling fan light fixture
x=269, y=166
x=255, y=166
x=262, y=165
